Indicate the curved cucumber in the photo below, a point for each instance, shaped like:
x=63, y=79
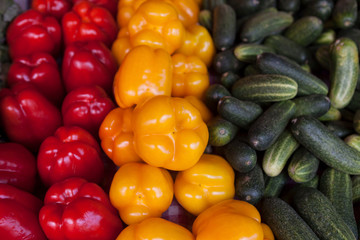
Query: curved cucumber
x=247, y=52
x=224, y=26
x=312, y=105
x=344, y=14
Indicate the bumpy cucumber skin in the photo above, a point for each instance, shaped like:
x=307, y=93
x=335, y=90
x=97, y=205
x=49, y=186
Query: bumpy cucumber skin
x=240, y=155
x=221, y=131
x=213, y=95
x=343, y=72
x=226, y=61
x=337, y=187
x=325, y=145
x=313, y=105
x=284, y=221
x=345, y=13
x=303, y=166
x=277, y=155
x=265, y=88
x=247, y=52
x=224, y=27
x=308, y=84
x=319, y=213
x=228, y=79
x=274, y=185
x=269, y=126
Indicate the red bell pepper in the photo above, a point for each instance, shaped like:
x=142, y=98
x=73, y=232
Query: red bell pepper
x=75, y=209
x=88, y=22
x=40, y=69
x=17, y=166
x=87, y=64
x=32, y=32
x=110, y=5
x=55, y=8
x=27, y=117
x=19, y=215
x=86, y=107
x=71, y=152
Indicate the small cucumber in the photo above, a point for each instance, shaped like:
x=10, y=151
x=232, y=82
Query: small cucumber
x=354, y=104
x=316, y=209
x=274, y=185
x=247, y=52
x=286, y=47
x=332, y=115
x=265, y=88
x=221, y=131
x=277, y=155
x=308, y=83
x=356, y=121
x=226, y=61
x=337, y=187
x=356, y=188
x=327, y=37
x=353, y=141
x=228, y=79
x=284, y=221
x=289, y=5
x=344, y=70
x=325, y=145
x=344, y=14
x=213, y=95
x=303, y=166
x=264, y=24
x=224, y=27
x=305, y=30
x=205, y=19
x=271, y=123
x=318, y=8
x=340, y=128
x=312, y=105
x=250, y=186
x=244, y=7
x=241, y=113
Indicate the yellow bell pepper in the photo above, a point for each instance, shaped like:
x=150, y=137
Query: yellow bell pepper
x=190, y=76
x=229, y=220
x=117, y=136
x=155, y=229
x=139, y=191
x=121, y=46
x=156, y=24
x=188, y=11
x=268, y=234
x=198, y=42
x=210, y=181
x=206, y=114
x=144, y=73
x=169, y=133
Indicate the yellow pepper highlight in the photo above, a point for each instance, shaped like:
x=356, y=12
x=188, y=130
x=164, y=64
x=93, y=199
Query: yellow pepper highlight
x=229, y=220
x=121, y=45
x=208, y=182
x=144, y=73
x=206, y=114
x=169, y=133
x=141, y=191
x=155, y=229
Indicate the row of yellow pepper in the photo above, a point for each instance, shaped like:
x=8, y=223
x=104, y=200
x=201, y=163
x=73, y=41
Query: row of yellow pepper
x=163, y=55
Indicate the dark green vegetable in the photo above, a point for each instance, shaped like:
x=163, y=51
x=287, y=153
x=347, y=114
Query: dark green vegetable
x=289, y=5
x=340, y=128
x=274, y=185
x=205, y=19
x=224, y=27
x=247, y=52
x=303, y=166
x=345, y=13
x=228, y=79
x=250, y=186
x=356, y=188
x=312, y=105
x=221, y=131
x=226, y=61
x=213, y=95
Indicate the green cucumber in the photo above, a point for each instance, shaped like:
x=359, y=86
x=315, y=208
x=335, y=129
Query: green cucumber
x=211, y=4
x=228, y=79
x=314, y=182
x=344, y=70
x=224, y=27
x=265, y=88
x=286, y=47
x=340, y=128
x=353, y=141
x=337, y=187
x=250, y=186
x=226, y=61
x=305, y=30
x=308, y=83
x=213, y=95
x=352, y=33
x=354, y=104
x=344, y=14
x=266, y=4
x=327, y=37
x=221, y=131
x=313, y=105
x=205, y=19
x=318, y=8
x=274, y=185
x=356, y=121
x=241, y=113
x=288, y=5
x=284, y=221
x=303, y=166
x=244, y=7
x=277, y=155
x=316, y=209
x=325, y=145
x=268, y=127
x=247, y=52
x=251, y=69
x=356, y=188
x=332, y=115
x=264, y=24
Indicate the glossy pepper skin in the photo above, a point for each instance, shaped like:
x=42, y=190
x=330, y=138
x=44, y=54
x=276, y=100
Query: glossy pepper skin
x=110, y=5
x=86, y=107
x=140, y=191
x=75, y=209
x=121, y=46
x=27, y=116
x=229, y=219
x=70, y=152
x=205, y=112
x=209, y=181
x=40, y=69
x=169, y=133
x=87, y=64
x=32, y=32
x=55, y=8
x=144, y=73
x=117, y=138
x=156, y=24
x=17, y=166
x=190, y=76
x=88, y=22
x=198, y=42
x=155, y=229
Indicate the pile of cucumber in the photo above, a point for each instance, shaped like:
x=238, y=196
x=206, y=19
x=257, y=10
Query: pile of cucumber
x=287, y=106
